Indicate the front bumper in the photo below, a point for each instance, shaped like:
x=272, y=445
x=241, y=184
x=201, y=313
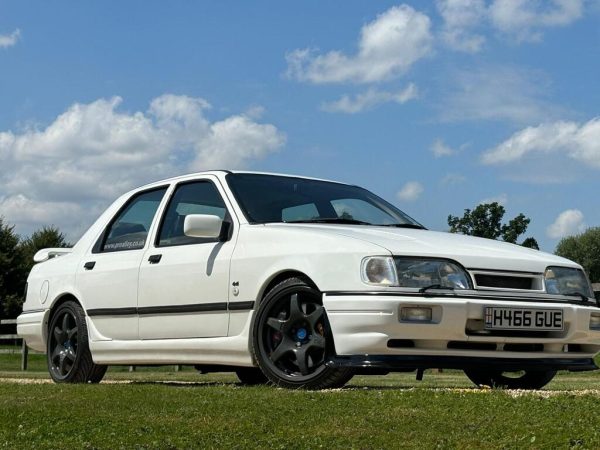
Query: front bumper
x=367, y=332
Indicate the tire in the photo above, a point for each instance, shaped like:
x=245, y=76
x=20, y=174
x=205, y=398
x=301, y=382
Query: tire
x=529, y=379
x=68, y=352
x=251, y=376
x=292, y=340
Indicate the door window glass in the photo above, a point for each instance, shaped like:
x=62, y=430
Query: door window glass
x=200, y=197
x=129, y=230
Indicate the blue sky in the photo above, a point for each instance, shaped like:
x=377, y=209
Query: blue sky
x=435, y=106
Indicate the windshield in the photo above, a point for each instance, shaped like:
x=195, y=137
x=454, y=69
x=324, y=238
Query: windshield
x=272, y=198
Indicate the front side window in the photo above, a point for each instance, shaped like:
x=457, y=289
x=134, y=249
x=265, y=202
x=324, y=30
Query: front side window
x=200, y=197
x=129, y=230
x=271, y=198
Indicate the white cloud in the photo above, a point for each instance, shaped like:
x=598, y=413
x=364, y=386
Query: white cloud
x=501, y=199
x=498, y=93
x=440, y=149
x=93, y=152
x=460, y=16
x=453, y=178
x=8, y=40
x=524, y=20
x=567, y=223
x=411, y=191
x=370, y=99
x=387, y=48
x=579, y=142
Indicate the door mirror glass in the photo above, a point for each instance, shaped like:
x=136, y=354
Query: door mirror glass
x=202, y=226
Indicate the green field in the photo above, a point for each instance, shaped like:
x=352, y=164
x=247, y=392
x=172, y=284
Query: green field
x=160, y=408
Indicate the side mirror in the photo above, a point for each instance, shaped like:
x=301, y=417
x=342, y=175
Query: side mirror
x=202, y=226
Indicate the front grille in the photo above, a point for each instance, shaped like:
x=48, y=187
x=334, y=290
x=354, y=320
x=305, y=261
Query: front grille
x=507, y=281
x=504, y=281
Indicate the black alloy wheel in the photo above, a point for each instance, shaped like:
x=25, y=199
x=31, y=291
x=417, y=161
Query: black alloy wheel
x=524, y=379
x=69, y=357
x=292, y=340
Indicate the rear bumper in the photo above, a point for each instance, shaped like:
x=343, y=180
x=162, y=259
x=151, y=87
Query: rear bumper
x=31, y=326
x=367, y=329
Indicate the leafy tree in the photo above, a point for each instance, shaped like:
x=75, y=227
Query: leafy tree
x=584, y=249
x=486, y=221
x=16, y=261
x=47, y=237
x=13, y=273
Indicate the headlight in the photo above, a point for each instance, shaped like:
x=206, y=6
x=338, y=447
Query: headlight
x=414, y=273
x=567, y=281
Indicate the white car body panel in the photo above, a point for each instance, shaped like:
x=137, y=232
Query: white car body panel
x=237, y=272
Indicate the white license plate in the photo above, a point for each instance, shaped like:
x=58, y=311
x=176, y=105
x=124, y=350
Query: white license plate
x=523, y=319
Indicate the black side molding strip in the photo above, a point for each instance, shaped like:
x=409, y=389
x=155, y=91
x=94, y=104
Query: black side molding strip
x=241, y=306
x=172, y=309
x=112, y=312
x=176, y=309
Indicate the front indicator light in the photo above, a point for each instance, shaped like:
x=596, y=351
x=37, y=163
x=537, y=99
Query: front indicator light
x=380, y=270
x=595, y=321
x=415, y=314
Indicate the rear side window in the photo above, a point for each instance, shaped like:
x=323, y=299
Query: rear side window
x=199, y=197
x=129, y=229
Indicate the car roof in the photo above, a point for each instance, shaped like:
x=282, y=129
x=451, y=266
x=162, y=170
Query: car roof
x=223, y=172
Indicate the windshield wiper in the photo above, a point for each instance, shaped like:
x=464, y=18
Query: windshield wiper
x=330, y=220
x=435, y=286
x=403, y=225
x=582, y=296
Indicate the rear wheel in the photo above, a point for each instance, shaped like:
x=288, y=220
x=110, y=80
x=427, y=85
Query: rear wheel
x=68, y=352
x=292, y=340
x=524, y=379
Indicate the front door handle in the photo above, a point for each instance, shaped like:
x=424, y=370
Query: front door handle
x=89, y=265
x=154, y=259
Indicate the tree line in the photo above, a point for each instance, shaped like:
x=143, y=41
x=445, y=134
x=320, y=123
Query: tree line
x=16, y=261
x=485, y=220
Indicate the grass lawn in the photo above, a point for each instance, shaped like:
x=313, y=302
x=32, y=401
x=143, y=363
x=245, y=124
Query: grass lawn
x=213, y=411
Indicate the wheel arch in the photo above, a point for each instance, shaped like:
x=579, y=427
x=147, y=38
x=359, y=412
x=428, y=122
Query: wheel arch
x=280, y=276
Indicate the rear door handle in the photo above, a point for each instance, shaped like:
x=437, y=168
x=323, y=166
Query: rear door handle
x=89, y=265
x=154, y=259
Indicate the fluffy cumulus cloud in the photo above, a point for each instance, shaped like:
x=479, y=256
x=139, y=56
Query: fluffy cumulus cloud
x=370, y=99
x=387, y=48
x=410, y=192
x=567, y=223
x=8, y=40
x=68, y=171
x=577, y=141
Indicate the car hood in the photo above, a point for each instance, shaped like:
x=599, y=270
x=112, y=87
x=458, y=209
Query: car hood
x=471, y=252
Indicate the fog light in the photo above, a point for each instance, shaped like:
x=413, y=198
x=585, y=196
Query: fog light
x=415, y=314
x=595, y=321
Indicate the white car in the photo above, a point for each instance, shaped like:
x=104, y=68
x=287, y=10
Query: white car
x=302, y=282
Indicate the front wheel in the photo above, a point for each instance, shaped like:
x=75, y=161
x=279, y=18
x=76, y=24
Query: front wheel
x=69, y=356
x=525, y=379
x=292, y=340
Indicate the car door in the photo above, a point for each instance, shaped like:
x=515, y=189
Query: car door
x=184, y=281
x=107, y=278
